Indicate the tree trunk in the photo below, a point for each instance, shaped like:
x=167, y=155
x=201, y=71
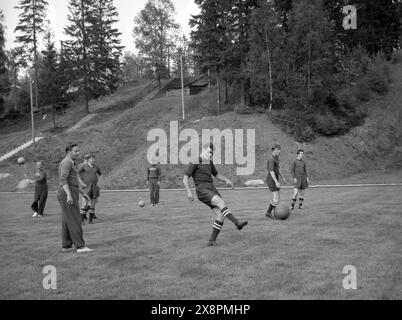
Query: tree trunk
x=226, y=92
x=35, y=56
x=269, y=72
x=54, y=117
x=309, y=59
x=85, y=58
x=218, y=89
x=87, y=104
x=209, y=80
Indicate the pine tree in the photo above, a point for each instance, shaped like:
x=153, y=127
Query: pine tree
x=105, y=48
x=379, y=26
x=30, y=26
x=4, y=73
x=93, y=53
x=77, y=49
x=239, y=17
x=310, y=51
x=211, y=41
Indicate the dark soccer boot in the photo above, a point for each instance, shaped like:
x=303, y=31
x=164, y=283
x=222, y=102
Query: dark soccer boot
x=270, y=215
x=292, y=206
x=211, y=243
x=91, y=216
x=241, y=225
x=300, y=205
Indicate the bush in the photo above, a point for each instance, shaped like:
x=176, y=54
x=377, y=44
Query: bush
x=295, y=125
x=396, y=57
x=328, y=124
x=362, y=90
x=377, y=81
x=243, y=109
x=378, y=75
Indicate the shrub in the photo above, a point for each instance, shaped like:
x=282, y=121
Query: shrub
x=377, y=81
x=396, y=57
x=362, y=90
x=243, y=109
x=378, y=75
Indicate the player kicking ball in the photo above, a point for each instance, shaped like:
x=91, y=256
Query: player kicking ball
x=300, y=179
x=274, y=173
x=206, y=192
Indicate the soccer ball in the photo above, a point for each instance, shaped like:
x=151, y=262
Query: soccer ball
x=282, y=212
x=141, y=203
x=21, y=160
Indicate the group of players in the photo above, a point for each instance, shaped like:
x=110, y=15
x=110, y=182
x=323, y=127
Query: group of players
x=88, y=176
x=84, y=179
x=207, y=193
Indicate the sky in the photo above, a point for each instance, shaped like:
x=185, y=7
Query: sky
x=127, y=9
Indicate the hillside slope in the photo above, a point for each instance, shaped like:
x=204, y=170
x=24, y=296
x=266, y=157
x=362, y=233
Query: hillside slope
x=119, y=138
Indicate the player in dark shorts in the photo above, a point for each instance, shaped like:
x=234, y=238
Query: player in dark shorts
x=274, y=173
x=300, y=179
x=88, y=176
x=206, y=192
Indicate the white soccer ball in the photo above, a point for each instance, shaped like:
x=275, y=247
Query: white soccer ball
x=21, y=160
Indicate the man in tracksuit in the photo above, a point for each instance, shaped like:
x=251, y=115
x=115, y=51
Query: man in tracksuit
x=41, y=191
x=154, y=180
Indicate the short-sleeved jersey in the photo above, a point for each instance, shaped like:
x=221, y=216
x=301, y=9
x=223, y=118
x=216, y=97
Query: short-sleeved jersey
x=68, y=173
x=89, y=174
x=273, y=165
x=298, y=168
x=201, y=172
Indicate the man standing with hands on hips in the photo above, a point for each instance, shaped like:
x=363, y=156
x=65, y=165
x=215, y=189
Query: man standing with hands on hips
x=68, y=197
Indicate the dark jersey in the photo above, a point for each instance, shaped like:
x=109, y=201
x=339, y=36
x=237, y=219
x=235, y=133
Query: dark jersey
x=154, y=172
x=89, y=174
x=273, y=165
x=201, y=172
x=298, y=168
x=40, y=178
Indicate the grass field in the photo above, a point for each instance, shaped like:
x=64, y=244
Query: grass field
x=160, y=252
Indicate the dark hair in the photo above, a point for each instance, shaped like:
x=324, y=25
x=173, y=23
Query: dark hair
x=275, y=146
x=70, y=147
x=300, y=150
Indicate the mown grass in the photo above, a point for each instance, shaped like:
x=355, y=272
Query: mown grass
x=160, y=252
